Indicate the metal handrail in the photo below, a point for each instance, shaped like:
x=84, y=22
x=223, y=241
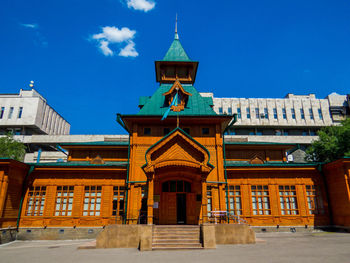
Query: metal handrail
x=224, y=215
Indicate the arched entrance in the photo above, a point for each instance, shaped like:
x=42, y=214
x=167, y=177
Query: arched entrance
x=176, y=168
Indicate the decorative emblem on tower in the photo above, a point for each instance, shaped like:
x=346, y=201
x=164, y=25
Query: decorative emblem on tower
x=182, y=97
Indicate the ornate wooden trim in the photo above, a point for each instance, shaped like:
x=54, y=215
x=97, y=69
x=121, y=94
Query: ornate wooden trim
x=172, y=151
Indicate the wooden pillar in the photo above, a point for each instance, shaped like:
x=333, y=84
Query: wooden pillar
x=204, y=202
x=3, y=192
x=150, y=183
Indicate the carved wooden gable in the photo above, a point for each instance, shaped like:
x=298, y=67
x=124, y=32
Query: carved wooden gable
x=256, y=160
x=177, y=149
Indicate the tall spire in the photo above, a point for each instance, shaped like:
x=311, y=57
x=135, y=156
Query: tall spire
x=176, y=35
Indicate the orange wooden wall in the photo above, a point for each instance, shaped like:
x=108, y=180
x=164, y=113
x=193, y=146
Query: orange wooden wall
x=338, y=181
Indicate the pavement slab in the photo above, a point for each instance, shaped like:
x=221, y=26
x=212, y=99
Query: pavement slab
x=272, y=248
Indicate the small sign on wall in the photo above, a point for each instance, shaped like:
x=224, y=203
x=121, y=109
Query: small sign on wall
x=155, y=205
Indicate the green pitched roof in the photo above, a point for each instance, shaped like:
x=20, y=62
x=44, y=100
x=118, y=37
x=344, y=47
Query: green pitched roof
x=196, y=105
x=176, y=52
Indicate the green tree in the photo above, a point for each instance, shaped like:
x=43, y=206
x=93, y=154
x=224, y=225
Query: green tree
x=333, y=144
x=10, y=148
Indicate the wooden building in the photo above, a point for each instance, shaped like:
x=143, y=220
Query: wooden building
x=175, y=169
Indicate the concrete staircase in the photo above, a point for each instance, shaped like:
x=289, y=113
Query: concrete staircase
x=176, y=237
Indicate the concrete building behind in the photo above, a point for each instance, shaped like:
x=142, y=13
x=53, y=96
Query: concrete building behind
x=28, y=113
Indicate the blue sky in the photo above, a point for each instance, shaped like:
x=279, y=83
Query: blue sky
x=89, y=68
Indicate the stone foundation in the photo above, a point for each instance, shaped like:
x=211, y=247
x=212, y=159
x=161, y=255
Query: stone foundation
x=7, y=235
x=62, y=233
x=234, y=234
x=125, y=236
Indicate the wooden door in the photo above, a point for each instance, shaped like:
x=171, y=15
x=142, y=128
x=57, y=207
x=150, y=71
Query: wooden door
x=192, y=217
x=167, y=207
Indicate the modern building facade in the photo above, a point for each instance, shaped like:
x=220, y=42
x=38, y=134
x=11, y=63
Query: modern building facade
x=294, y=115
x=28, y=113
x=176, y=168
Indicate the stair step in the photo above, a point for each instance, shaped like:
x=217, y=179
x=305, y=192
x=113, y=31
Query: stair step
x=174, y=241
x=171, y=245
x=176, y=237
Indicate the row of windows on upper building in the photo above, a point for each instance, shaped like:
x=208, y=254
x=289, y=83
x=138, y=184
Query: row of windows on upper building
x=10, y=113
x=272, y=132
x=265, y=113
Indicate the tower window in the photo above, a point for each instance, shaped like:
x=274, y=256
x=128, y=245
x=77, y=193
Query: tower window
x=147, y=131
x=166, y=131
x=220, y=110
x=187, y=130
x=302, y=114
x=229, y=110
x=205, y=131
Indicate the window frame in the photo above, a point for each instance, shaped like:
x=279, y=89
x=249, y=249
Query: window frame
x=248, y=112
x=266, y=113
x=257, y=113
x=121, y=193
x=96, y=212
x=2, y=111
x=67, y=198
x=37, y=206
x=320, y=114
x=314, y=200
x=311, y=114
x=20, y=113
x=237, y=208
x=292, y=111
x=239, y=113
x=285, y=211
x=275, y=116
x=266, y=211
x=284, y=113
x=9, y=116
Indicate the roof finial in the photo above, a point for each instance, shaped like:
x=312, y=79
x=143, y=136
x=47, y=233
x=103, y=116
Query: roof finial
x=176, y=35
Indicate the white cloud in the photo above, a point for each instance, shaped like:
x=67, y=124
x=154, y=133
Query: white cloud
x=30, y=25
x=113, y=35
x=129, y=50
x=143, y=5
x=105, y=49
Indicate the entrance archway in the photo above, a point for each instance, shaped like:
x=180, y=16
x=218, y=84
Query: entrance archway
x=179, y=165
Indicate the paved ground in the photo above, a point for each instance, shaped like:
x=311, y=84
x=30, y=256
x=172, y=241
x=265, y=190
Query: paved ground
x=276, y=247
